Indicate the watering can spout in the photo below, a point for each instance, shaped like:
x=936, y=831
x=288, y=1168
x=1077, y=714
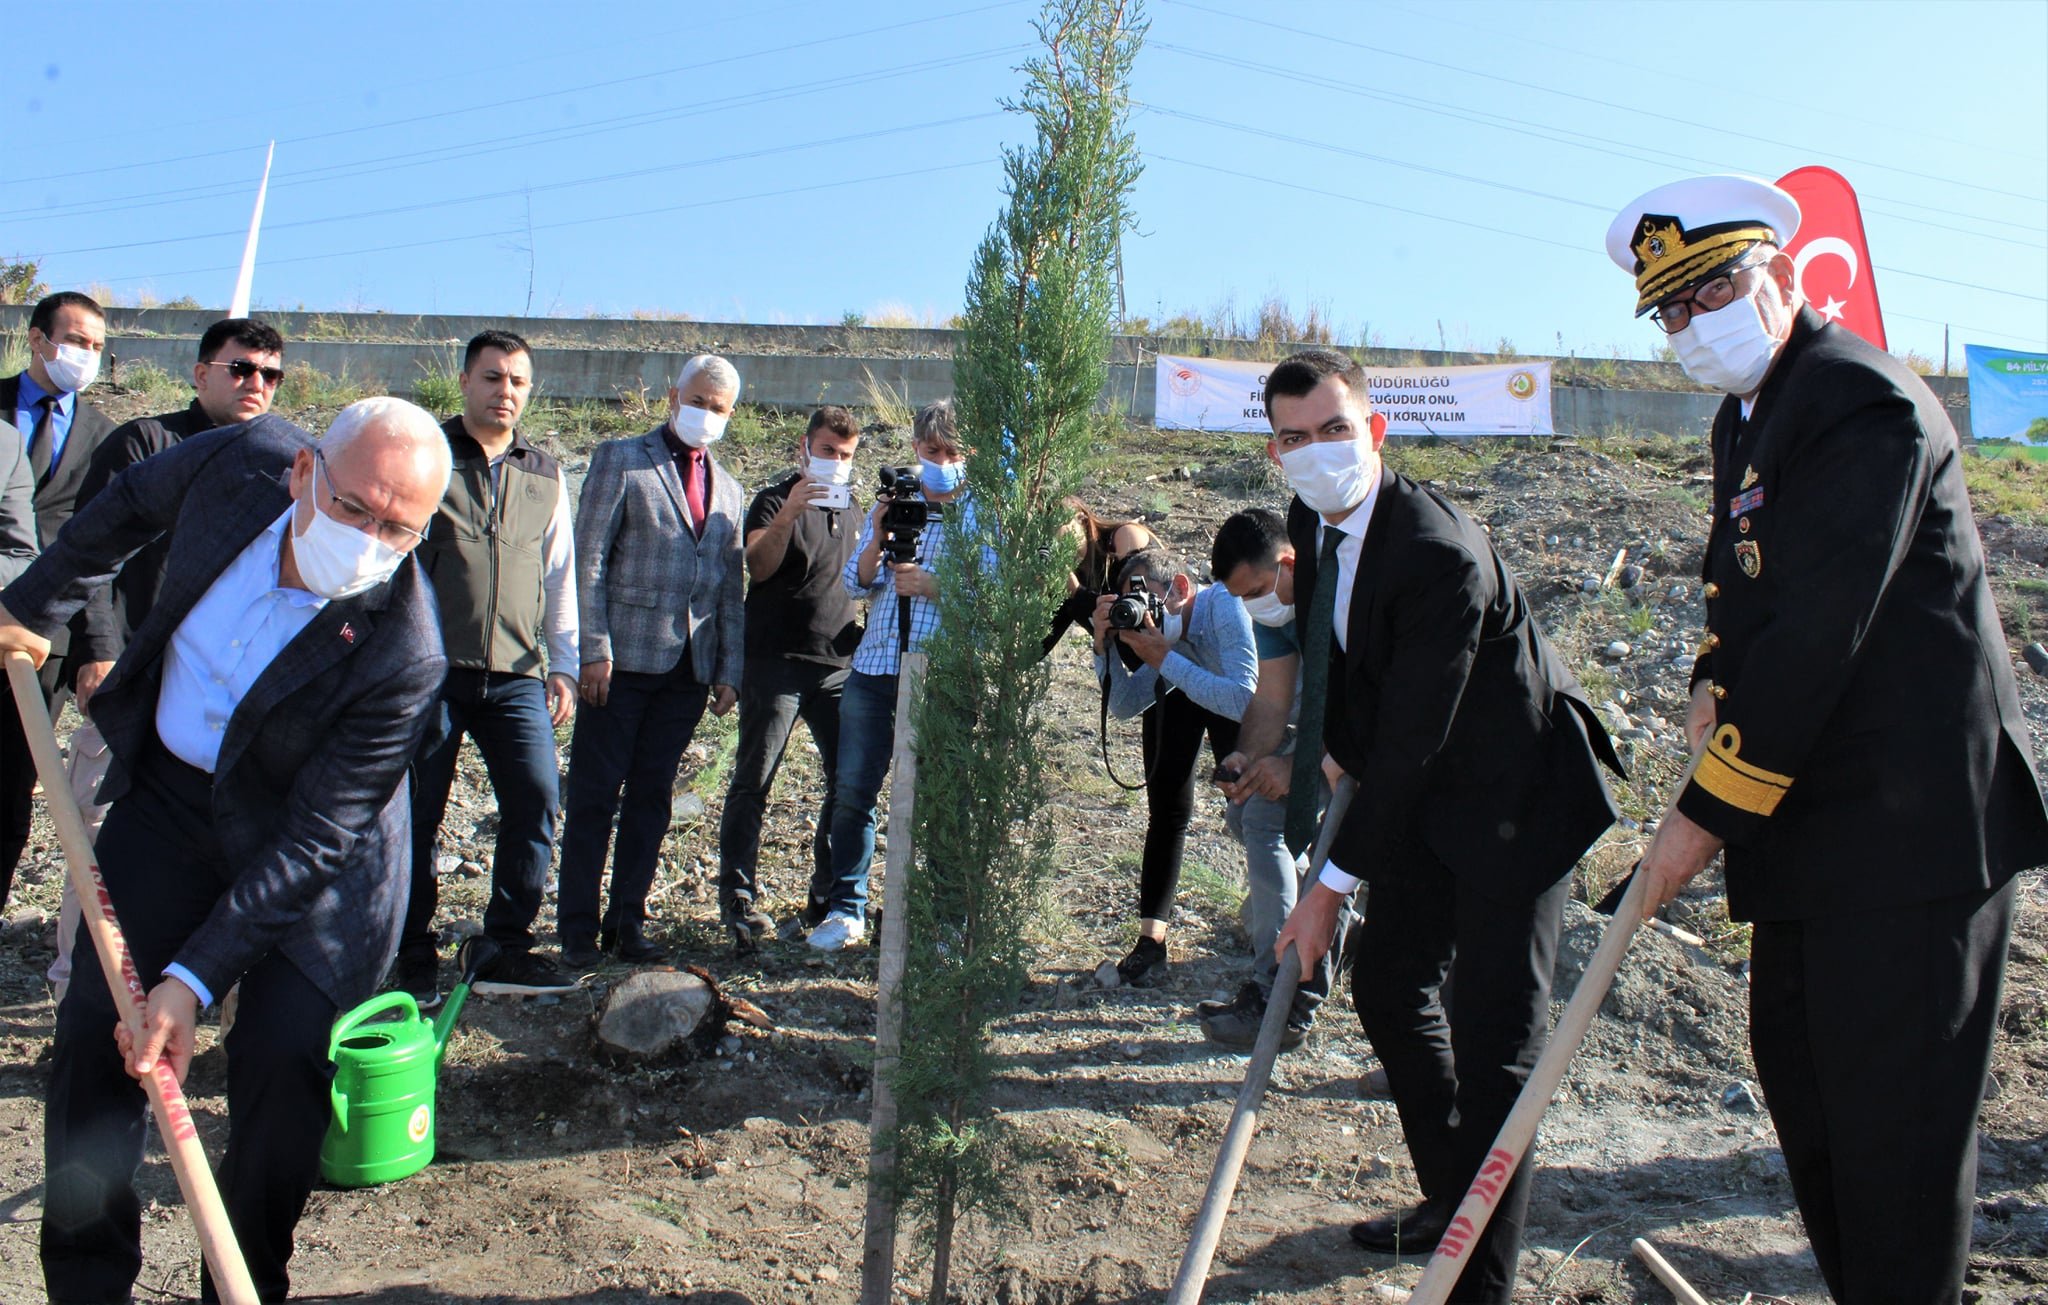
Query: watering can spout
x=473, y=955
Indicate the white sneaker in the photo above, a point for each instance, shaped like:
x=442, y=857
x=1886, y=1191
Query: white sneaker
x=837, y=932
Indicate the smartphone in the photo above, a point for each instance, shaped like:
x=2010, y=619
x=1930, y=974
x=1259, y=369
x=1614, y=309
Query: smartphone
x=835, y=496
x=1225, y=775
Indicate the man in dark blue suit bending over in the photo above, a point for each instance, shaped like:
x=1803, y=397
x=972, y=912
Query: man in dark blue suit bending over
x=260, y=722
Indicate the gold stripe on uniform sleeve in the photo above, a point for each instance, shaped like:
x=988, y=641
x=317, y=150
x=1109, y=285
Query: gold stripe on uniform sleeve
x=1740, y=784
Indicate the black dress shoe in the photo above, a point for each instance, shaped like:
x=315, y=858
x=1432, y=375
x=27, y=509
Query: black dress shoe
x=581, y=954
x=1414, y=1231
x=629, y=942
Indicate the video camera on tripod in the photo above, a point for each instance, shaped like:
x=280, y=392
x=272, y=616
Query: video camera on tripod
x=907, y=514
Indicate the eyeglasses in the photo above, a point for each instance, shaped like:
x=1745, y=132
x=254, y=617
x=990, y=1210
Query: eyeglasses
x=357, y=517
x=1674, y=315
x=242, y=369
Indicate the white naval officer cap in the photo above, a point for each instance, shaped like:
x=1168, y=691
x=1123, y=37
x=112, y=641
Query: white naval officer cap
x=1686, y=231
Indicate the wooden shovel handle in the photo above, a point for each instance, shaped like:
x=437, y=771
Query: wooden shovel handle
x=166, y=1098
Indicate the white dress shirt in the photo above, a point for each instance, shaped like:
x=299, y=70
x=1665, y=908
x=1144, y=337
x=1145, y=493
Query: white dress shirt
x=1349, y=548
x=235, y=630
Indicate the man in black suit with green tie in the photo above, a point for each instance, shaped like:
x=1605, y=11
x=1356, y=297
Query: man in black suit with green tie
x=1477, y=762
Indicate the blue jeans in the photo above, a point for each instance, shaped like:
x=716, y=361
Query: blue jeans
x=634, y=743
x=867, y=740
x=507, y=715
x=773, y=693
x=1273, y=878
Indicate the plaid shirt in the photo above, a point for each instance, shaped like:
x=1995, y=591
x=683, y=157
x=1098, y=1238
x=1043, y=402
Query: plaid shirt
x=878, y=652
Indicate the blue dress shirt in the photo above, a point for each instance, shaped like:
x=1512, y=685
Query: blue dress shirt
x=26, y=412
x=224, y=644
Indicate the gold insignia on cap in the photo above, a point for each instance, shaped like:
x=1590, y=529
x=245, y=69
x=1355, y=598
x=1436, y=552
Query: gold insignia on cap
x=1658, y=238
x=1669, y=257
x=1748, y=477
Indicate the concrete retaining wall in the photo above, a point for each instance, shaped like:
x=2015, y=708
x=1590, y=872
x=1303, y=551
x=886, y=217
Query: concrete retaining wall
x=802, y=366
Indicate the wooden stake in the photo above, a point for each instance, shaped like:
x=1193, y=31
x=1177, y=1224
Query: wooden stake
x=1244, y=1119
x=1667, y=1275
x=878, y=1250
x=166, y=1097
x=1614, y=571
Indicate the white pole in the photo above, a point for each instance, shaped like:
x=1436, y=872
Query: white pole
x=244, y=279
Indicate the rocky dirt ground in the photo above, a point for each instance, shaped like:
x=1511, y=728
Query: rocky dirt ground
x=736, y=1176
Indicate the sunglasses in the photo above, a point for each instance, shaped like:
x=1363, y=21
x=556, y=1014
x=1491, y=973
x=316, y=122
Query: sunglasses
x=242, y=369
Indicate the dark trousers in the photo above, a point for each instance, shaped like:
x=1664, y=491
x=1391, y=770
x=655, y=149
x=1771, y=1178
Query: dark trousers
x=18, y=775
x=1171, y=732
x=774, y=692
x=507, y=715
x=632, y=744
x=1454, y=1080
x=165, y=872
x=1872, y=1035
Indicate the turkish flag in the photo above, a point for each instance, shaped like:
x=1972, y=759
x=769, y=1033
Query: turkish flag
x=1830, y=259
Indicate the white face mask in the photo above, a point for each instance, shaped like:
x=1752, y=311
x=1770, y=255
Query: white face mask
x=1267, y=609
x=1173, y=627
x=830, y=471
x=1330, y=475
x=1728, y=349
x=74, y=368
x=335, y=561
x=697, y=426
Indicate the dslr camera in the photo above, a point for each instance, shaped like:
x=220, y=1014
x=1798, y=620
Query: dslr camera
x=1136, y=602
x=907, y=514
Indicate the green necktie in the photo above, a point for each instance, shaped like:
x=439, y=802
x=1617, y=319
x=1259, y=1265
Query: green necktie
x=1305, y=786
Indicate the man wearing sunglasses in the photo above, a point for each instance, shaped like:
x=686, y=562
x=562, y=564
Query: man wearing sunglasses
x=240, y=364
x=241, y=361
x=1864, y=764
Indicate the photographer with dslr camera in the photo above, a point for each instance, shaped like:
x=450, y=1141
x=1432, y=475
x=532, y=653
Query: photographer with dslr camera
x=1183, y=658
x=895, y=566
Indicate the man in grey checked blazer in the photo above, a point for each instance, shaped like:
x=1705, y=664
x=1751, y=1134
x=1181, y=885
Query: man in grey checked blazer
x=281, y=861
x=659, y=575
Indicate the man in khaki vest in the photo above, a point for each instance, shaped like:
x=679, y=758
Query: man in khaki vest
x=502, y=560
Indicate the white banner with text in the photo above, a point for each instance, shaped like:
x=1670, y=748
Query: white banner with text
x=1495, y=399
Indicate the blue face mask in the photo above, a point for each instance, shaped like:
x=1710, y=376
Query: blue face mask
x=941, y=477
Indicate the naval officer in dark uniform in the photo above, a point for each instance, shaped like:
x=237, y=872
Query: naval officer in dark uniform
x=1867, y=769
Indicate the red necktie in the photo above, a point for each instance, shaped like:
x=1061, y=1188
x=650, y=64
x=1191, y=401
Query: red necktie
x=693, y=489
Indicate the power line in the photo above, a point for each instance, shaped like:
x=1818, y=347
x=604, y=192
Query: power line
x=1666, y=72
x=1205, y=120
x=2032, y=340
x=457, y=201
x=495, y=69
x=1564, y=136
x=500, y=144
x=1370, y=203
x=694, y=65
x=1328, y=38
x=1437, y=217
x=571, y=222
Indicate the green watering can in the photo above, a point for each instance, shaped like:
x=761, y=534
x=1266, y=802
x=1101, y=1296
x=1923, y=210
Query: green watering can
x=383, y=1124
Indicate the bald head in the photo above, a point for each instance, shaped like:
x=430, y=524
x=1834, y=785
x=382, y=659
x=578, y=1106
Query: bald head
x=385, y=461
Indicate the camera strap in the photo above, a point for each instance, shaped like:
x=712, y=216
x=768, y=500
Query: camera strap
x=1145, y=720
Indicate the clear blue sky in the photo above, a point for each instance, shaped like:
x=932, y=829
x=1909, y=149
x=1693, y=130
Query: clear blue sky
x=1399, y=164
